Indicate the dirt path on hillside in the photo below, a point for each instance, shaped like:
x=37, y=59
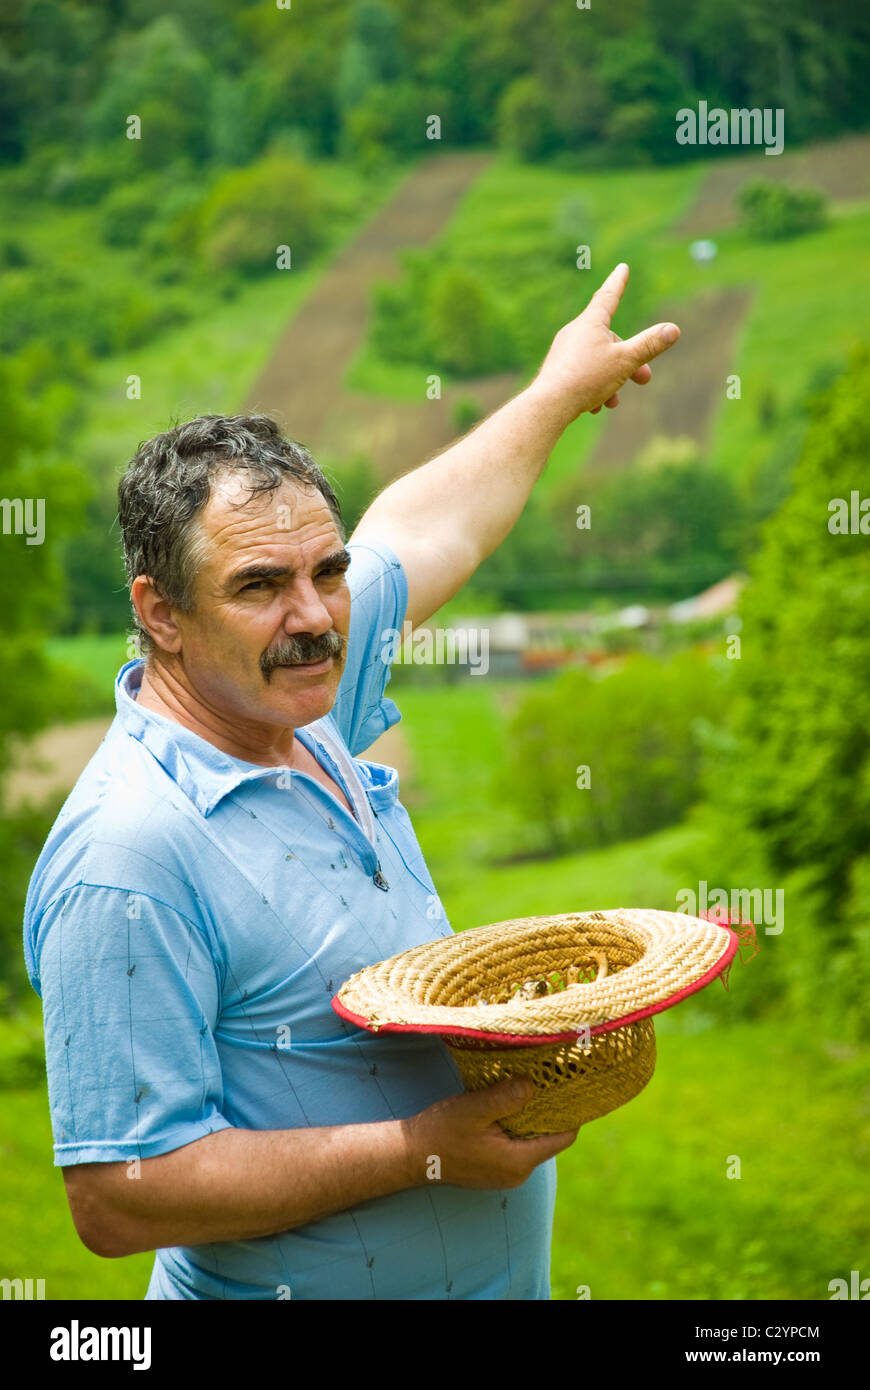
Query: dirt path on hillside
x=841, y=169
x=52, y=764
x=689, y=382
x=302, y=383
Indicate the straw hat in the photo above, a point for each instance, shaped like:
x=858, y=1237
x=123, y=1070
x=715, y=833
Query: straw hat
x=565, y=1000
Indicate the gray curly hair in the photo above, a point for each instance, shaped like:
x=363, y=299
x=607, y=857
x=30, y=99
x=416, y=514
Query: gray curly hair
x=169, y=481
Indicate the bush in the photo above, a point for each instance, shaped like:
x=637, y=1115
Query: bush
x=465, y=326
x=13, y=254
x=573, y=225
x=71, y=314
x=390, y=121
x=443, y=316
x=250, y=212
x=159, y=75
x=397, y=310
x=674, y=523
x=635, y=729
x=772, y=211
x=126, y=212
x=525, y=122
x=173, y=230
x=84, y=181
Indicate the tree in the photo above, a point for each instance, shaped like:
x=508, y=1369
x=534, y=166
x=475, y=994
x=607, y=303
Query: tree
x=525, y=119
x=788, y=777
x=371, y=55
x=32, y=691
x=634, y=730
x=250, y=212
x=160, y=76
x=466, y=327
x=802, y=726
x=666, y=521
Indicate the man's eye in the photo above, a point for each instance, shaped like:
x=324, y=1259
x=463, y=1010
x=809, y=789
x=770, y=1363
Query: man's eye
x=254, y=584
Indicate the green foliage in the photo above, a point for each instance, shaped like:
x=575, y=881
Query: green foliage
x=33, y=692
x=804, y=719
x=443, y=316
x=83, y=179
x=241, y=109
x=669, y=524
x=251, y=212
x=126, y=212
x=466, y=327
x=157, y=74
x=22, y=835
x=389, y=122
x=526, y=126
x=635, y=730
x=31, y=585
x=789, y=778
x=371, y=55
x=644, y=87
x=466, y=414
x=573, y=225
x=13, y=254
x=396, y=310
x=215, y=82
x=532, y=565
x=73, y=316
x=773, y=211
x=356, y=484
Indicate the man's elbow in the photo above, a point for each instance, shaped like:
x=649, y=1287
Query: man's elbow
x=100, y=1228
x=103, y=1236
x=107, y=1243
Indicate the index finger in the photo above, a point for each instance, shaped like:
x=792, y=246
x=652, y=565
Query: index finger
x=610, y=293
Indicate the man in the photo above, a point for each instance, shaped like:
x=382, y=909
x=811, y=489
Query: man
x=227, y=860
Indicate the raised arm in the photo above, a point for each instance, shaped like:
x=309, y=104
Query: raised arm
x=445, y=517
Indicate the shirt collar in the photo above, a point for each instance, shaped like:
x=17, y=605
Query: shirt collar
x=203, y=772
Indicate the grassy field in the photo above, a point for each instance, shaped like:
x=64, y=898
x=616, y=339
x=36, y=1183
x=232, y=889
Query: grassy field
x=97, y=656
x=645, y=1206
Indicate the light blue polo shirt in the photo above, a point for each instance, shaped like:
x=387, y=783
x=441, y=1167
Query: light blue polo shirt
x=188, y=922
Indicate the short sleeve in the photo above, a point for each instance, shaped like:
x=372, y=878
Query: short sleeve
x=379, y=599
x=131, y=996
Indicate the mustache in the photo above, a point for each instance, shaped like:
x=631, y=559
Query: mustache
x=302, y=649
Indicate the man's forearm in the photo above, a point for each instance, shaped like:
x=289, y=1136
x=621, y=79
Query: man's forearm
x=238, y=1184
x=445, y=517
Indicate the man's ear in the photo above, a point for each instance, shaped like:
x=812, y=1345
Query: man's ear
x=155, y=614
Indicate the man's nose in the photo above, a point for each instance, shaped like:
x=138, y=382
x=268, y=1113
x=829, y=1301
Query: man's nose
x=306, y=611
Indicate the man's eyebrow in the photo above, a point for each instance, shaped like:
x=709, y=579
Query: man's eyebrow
x=249, y=573
x=335, y=560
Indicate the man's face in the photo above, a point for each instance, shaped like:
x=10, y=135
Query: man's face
x=271, y=602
